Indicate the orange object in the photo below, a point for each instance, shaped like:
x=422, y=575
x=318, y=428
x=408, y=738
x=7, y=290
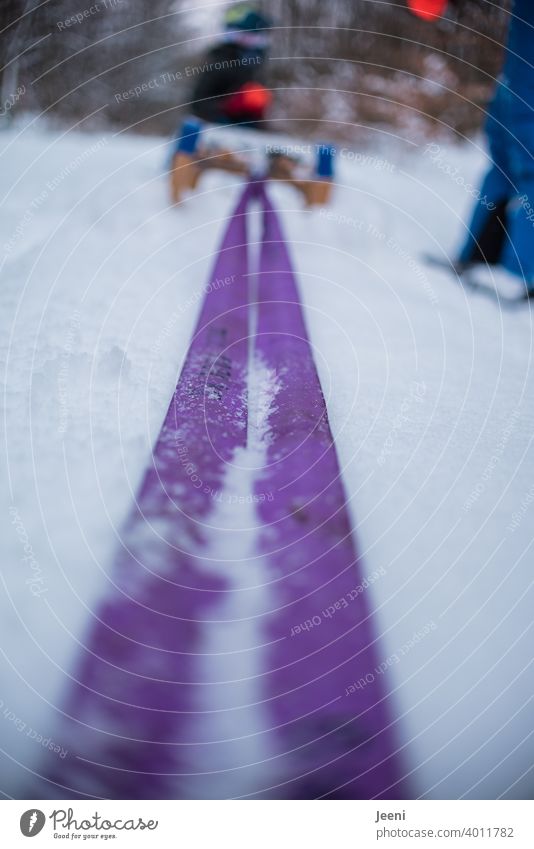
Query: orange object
x=429, y=10
x=251, y=99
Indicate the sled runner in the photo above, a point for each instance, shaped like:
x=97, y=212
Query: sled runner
x=193, y=156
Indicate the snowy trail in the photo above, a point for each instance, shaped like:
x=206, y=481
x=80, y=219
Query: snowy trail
x=198, y=633
x=429, y=393
x=126, y=715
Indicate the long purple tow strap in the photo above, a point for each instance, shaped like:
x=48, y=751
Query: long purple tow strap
x=127, y=721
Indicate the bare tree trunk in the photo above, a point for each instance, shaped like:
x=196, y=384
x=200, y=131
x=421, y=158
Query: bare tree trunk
x=17, y=37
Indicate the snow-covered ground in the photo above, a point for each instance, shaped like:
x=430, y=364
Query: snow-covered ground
x=429, y=391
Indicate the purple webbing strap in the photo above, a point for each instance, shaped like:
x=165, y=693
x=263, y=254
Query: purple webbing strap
x=128, y=725
x=335, y=745
x=126, y=718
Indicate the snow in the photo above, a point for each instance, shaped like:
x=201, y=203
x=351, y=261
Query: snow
x=429, y=393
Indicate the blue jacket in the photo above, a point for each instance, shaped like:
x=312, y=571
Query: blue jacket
x=518, y=70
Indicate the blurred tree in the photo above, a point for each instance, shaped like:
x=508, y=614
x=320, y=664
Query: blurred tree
x=87, y=58
x=382, y=65
x=16, y=45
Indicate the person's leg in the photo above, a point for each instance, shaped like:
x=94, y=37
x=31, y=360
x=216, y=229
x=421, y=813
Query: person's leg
x=518, y=254
x=485, y=233
x=484, y=240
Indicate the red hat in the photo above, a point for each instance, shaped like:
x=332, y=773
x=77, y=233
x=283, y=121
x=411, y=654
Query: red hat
x=429, y=10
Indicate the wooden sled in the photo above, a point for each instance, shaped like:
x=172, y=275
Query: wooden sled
x=191, y=160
